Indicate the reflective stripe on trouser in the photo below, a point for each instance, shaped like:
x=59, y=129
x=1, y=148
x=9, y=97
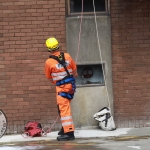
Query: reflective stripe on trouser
x=65, y=109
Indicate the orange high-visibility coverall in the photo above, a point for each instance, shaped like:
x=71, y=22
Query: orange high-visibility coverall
x=55, y=72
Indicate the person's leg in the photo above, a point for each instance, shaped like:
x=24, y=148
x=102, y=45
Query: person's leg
x=66, y=117
x=67, y=124
x=61, y=132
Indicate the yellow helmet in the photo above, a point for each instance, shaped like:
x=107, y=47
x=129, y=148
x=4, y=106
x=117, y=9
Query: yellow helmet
x=52, y=44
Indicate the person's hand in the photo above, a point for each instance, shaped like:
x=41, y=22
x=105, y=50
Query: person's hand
x=75, y=74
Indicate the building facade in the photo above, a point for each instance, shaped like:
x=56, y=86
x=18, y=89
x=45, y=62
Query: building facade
x=25, y=93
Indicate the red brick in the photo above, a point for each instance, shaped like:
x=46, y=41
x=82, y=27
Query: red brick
x=131, y=67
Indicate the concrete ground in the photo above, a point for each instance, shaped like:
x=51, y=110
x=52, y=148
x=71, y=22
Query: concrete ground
x=121, y=138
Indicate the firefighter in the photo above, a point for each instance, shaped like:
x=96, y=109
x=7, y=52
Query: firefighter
x=61, y=70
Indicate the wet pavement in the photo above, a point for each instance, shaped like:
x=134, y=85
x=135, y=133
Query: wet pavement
x=77, y=144
x=109, y=143
x=120, y=139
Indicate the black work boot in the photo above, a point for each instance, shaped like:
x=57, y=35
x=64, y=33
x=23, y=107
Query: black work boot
x=61, y=132
x=66, y=136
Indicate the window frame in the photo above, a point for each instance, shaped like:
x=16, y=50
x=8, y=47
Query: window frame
x=106, y=12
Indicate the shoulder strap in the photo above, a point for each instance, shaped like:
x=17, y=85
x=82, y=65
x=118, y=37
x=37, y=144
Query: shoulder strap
x=61, y=60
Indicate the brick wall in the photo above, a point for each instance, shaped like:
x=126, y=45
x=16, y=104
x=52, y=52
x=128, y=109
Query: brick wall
x=131, y=61
x=25, y=93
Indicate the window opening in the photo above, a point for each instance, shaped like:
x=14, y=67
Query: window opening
x=89, y=75
x=75, y=6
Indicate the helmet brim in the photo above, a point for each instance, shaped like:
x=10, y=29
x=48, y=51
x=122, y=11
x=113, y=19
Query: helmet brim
x=53, y=49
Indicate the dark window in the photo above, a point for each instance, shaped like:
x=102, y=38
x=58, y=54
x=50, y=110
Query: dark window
x=75, y=6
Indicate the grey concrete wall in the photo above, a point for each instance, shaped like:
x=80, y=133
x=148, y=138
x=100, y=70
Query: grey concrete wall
x=88, y=100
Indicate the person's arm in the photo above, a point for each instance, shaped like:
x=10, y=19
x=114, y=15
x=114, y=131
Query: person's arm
x=72, y=65
x=74, y=68
x=48, y=72
x=75, y=74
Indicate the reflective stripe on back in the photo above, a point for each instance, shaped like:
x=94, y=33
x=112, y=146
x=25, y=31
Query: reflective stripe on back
x=60, y=75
